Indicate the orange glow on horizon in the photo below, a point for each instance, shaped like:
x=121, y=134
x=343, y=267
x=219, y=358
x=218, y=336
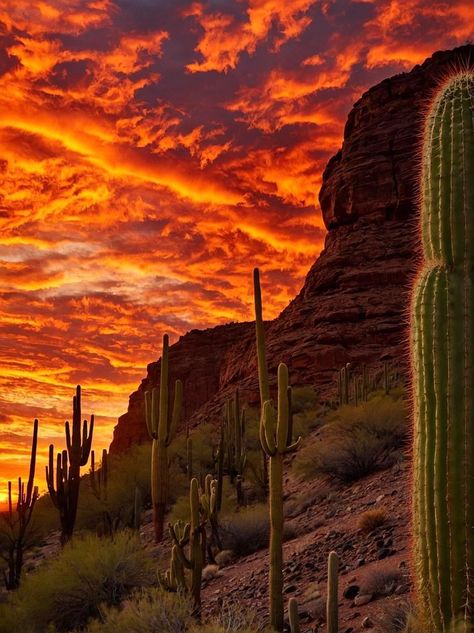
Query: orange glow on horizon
x=149, y=160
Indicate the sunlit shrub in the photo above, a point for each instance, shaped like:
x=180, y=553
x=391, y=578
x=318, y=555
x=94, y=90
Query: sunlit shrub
x=70, y=589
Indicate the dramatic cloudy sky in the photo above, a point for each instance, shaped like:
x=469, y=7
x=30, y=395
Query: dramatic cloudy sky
x=151, y=153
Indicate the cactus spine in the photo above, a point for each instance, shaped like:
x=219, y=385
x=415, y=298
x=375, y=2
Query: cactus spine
x=17, y=521
x=293, y=615
x=442, y=346
x=161, y=429
x=194, y=535
x=332, y=609
x=68, y=468
x=273, y=437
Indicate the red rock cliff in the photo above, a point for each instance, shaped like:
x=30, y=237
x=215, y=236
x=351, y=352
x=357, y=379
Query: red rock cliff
x=353, y=302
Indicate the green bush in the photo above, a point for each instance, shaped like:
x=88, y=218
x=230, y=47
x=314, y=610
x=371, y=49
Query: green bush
x=70, y=589
x=356, y=441
x=150, y=611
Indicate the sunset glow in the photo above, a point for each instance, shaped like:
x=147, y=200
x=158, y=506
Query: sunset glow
x=151, y=155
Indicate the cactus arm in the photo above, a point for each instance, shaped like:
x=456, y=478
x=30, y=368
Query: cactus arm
x=163, y=421
x=148, y=417
x=283, y=417
x=176, y=414
x=154, y=412
x=266, y=432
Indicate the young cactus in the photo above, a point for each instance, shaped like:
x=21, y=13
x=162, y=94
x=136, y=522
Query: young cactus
x=65, y=496
x=161, y=429
x=273, y=438
x=194, y=536
x=293, y=615
x=332, y=608
x=442, y=356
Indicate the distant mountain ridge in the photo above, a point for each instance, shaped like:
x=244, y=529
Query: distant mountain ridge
x=352, y=305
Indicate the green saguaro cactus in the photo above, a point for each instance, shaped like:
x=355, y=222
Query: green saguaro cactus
x=332, y=608
x=194, y=536
x=273, y=438
x=161, y=429
x=64, y=488
x=442, y=355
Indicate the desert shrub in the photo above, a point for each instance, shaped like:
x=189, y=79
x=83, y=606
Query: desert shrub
x=246, y=531
x=372, y=519
x=381, y=581
x=71, y=588
x=303, y=399
x=394, y=619
x=356, y=441
x=296, y=505
x=150, y=611
x=205, y=440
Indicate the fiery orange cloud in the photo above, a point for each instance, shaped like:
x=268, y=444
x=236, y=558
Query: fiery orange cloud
x=150, y=157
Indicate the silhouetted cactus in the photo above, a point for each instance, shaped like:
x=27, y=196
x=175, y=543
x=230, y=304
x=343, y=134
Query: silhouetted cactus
x=263, y=382
x=161, y=429
x=17, y=519
x=64, y=489
x=273, y=438
x=442, y=345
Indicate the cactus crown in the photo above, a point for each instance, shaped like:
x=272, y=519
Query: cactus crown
x=160, y=426
x=448, y=162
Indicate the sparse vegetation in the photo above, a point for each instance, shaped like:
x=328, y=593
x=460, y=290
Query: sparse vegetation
x=356, y=441
x=372, y=519
x=150, y=611
x=72, y=588
x=381, y=581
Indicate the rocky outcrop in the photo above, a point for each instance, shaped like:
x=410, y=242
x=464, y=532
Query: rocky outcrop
x=353, y=302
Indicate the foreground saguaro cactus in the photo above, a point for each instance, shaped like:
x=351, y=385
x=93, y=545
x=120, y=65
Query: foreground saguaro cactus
x=442, y=354
x=17, y=519
x=65, y=496
x=161, y=429
x=293, y=615
x=273, y=438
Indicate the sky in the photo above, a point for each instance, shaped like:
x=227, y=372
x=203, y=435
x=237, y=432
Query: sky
x=152, y=152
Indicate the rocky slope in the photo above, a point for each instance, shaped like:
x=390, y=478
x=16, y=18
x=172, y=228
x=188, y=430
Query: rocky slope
x=352, y=305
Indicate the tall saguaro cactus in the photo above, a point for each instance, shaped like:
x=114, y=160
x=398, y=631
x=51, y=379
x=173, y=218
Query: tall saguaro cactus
x=442, y=354
x=263, y=382
x=273, y=438
x=17, y=519
x=65, y=496
x=161, y=429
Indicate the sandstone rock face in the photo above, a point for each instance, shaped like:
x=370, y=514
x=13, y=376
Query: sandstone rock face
x=353, y=305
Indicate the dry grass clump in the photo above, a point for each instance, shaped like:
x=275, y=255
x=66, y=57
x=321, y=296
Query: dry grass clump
x=381, y=581
x=372, y=519
x=356, y=441
x=151, y=611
